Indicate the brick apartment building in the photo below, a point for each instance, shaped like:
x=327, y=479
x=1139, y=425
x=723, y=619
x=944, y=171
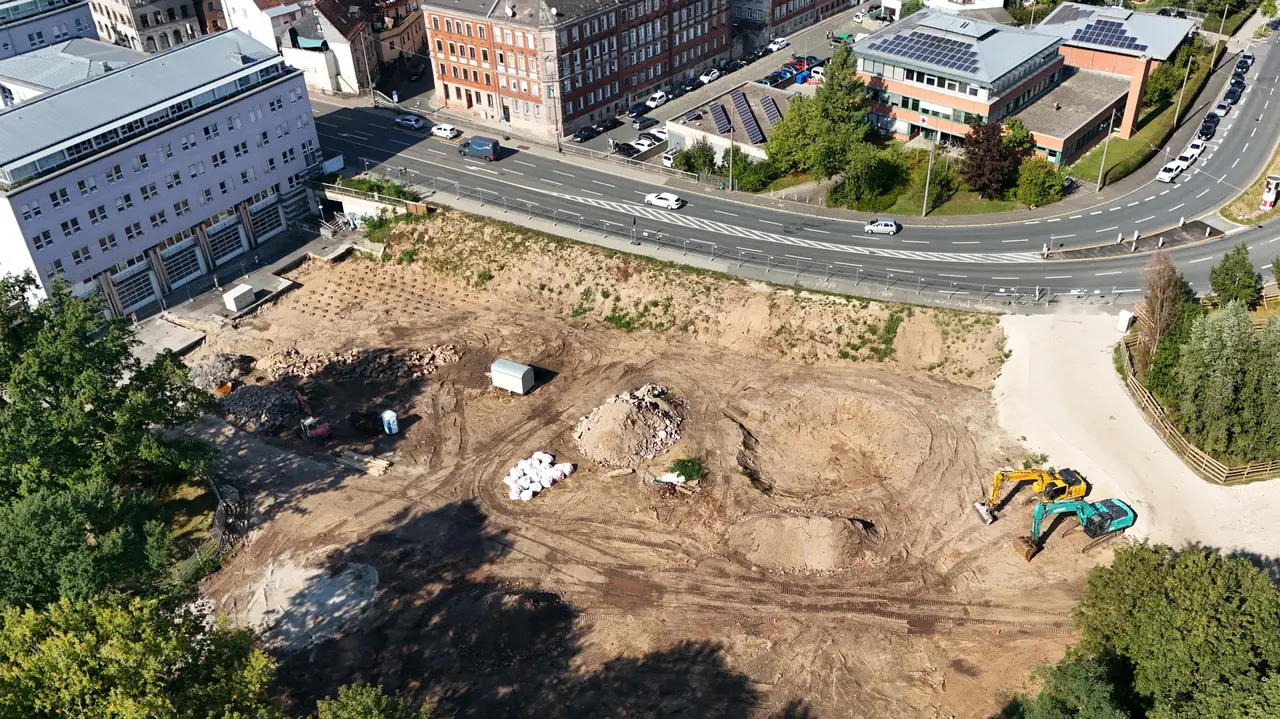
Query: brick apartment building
x=543, y=68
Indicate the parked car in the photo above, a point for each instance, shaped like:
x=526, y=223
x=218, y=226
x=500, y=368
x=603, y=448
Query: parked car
x=1237, y=82
x=656, y=100
x=1184, y=160
x=668, y=159
x=660, y=133
x=607, y=124
x=649, y=136
x=817, y=71
x=690, y=85
x=793, y=66
x=644, y=122
x=1195, y=149
x=1207, y=130
x=813, y=60
x=709, y=76
x=1168, y=172
x=785, y=73
x=415, y=74
x=584, y=134
x=756, y=54
x=798, y=64
x=644, y=144
x=857, y=16
x=668, y=200
x=1247, y=56
x=778, y=43
x=412, y=122
x=1212, y=119
x=626, y=149
x=448, y=132
x=1238, y=75
x=638, y=109
x=1222, y=108
x=1232, y=96
x=1242, y=65
x=881, y=226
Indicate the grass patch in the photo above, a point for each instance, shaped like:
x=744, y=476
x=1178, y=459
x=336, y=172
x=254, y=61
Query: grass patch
x=188, y=511
x=783, y=183
x=380, y=186
x=407, y=256
x=970, y=203
x=689, y=468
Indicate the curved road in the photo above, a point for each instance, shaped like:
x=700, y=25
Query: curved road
x=996, y=256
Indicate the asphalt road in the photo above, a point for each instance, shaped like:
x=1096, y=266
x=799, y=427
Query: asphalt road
x=1003, y=255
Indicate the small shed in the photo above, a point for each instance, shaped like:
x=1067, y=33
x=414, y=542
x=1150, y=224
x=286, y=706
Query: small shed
x=511, y=376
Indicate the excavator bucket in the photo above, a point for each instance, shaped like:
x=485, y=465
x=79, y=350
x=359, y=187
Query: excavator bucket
x=1025, y=547
x=984, y=512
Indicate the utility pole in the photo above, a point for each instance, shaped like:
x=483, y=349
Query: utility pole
x=731, y=158
x=1183, y=91
x=368, y=69
x=928, y=177
x=1221, y=33
x=1110, y=121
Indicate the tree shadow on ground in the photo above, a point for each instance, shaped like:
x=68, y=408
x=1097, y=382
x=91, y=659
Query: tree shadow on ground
x=485, y=649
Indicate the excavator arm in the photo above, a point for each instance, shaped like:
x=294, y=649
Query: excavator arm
x=987, y=510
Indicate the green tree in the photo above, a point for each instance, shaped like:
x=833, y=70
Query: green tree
x=78, y=542
x=1268, y=8
x=361, y=701
x=987, y=164
x=756, y=176
x=1234, y=279
x=80, y=405
x=700, y=158
x=1017, y=137
x=1211, y=375
x=865, y=173
x=1077, y=686
x=817, y=134
x=1162, y=376
x=911, y=6
x=788, y=146
x=943, y=184
x=128, y=659
x=741, y=161
x=1039, y=183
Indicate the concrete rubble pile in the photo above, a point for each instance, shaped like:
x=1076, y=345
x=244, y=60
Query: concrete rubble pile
x=531, y=476
x=216, y=370
x=376, y=364
x=631, y=428
x=261, y=408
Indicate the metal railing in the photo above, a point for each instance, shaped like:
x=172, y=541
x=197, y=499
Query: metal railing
x=785, y=268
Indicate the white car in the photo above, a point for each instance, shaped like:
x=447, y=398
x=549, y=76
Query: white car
x=1195, y=149
x=660, y=133
x=1184, y=160
x=643, y=144
x=448, y=132
x=709, y=76
x=1222, y=108
x=668, y=159
x=882, y=226
x=664, y=199
x=413, y=122
x=778, y=43
x=1168, y=172
x=656, y=100
x=857, y=16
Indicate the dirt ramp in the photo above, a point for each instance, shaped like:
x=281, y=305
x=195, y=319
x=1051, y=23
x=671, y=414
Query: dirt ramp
x=799, y=543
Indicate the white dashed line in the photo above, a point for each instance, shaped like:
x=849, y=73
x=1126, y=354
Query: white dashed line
x=1255, y=130
x=722, y=212
x=1202, y=194
x=562, y=173
x=1131, y=204
x=1113, y=209
x=1202, y=259
x=1104, y=274
x=810, y=229
x=438, y=152
x=1008, y=241
x=1075, y=217
x=771, y=222
x=553, y=182
x=917, y=242
x=797, y=257
x=593, y=192
x=1062, y=237
x=526, y=164
x=1148, y=199
x=965, y=242
x=1164, y=193
x=1059, y=277
x=1099, y=212
x=1144, y=219
x=1233, y=164
x=955, y=276
x=1105, y=229
x=1004, y=278
x=1180, y=204
x=1056, y=219
x=603, y=183
x=905, y=272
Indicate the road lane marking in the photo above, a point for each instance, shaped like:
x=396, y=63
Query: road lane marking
x=1131, y=204
x=1008, y=241
x=1255, y=130
x=1099, y=212
x=526, y=164
x=1201, y=194
x=771, y=222
x=905, y=272
x=1075, y=217
x=604, y=183
x=438, y=152
x=1180, y=204
x=1105, y=229
x=1113, y=209
x=797, y=257
x=1164, y=193
x=1148, y=199
x=965, y=242
x=1062, y=237
x=553, y=182
x=592, y=192
x=1056, y=219
x=917, y=242
x=1246, y=148
x=1058, y=277
x=1105, y=274
x=325, y=124
x=1202, y=259
x=1004, y=278
x=1233, y=164
x=1033, y=222
x=846, y=264
x=562, y=173
x=960, y=277
x=1144, y=219
x=722, y=212
x=810, y=229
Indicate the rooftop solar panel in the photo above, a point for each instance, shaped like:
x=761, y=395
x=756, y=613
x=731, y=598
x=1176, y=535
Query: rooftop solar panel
x=721, y=118
x=771, y=110
x=749, y=123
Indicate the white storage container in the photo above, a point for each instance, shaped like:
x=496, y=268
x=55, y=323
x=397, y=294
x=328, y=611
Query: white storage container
x=238, y=297
x=511, y=376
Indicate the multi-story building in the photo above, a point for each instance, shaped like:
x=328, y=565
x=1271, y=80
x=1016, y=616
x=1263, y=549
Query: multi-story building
x=333, y=44
x=32, y=74
x=552, y=69
x=27, y=25
x=212, y=16
x=267, y=21
x=149, y=25
x=399, y=30
x=783, y=17
x=140, y=180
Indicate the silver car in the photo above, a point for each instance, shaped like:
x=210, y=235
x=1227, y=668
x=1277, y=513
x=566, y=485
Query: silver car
x=881, y=226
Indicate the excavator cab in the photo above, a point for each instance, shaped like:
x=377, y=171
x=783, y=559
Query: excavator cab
x=1102, y=521
x=1048, y=486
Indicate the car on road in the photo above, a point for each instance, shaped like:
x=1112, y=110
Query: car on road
x=1195, y=149
x=1168, y=172
x=638, y=109
x=668, y=159
x=1237, y=82
x=691, y=84
x=667, y=200
x=584, y=134
x=644, y=122
x=415, y=74
x=412, y=122
x=1222, y=108
x=1247, y=57
x=607, y=124
x=448, y=132
x=778, y=43
x=1232, y=96
x=626, y=149
x=643, y=144
x=1184, y=160
x=656, y=100
x=709, y=76
x=1207, y=130
x=1242, y=65
x=881, y=226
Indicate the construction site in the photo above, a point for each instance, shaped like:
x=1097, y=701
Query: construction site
x=829, y=562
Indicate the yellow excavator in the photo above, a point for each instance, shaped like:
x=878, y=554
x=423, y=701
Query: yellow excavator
x=1049, y=485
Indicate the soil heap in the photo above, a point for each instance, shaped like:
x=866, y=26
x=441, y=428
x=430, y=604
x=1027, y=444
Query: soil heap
x=260, y=408
x=216, y=370
x=376, y=364
x=798, y=543
x=629, y=428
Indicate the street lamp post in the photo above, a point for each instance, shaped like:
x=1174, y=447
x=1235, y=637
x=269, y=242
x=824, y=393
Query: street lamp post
x=1221, y=30
x=1185, y=77
x=1110, y=121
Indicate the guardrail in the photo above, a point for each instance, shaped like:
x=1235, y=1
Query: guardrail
x=783, y=265
x=361, y=194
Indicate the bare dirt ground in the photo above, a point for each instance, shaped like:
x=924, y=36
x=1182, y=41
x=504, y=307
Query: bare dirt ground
x=829, y=565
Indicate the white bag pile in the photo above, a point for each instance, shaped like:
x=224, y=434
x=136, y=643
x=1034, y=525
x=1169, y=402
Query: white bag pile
x=670, y=478
x=535, y=474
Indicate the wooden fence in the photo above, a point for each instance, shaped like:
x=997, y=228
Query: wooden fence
x=1202, y=464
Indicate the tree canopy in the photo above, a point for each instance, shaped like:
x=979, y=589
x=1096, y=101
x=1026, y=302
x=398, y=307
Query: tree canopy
x=987, y=163
x=1234, y=279
x=1039, y=183
x=816, y=135
x=361, y=701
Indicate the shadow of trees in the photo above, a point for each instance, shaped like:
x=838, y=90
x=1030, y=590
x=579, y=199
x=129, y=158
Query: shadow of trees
x=485, y=649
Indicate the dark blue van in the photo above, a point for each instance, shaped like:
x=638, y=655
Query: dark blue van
x=483, y=147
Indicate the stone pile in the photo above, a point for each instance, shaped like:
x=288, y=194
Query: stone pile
x=375, y=364
x=630, y=428
x=261, y=408
x=216, y=370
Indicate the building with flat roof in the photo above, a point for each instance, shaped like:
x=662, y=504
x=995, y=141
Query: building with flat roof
x=744, y=116
x=27, y=25
x=139, y=180
x=25, y=76
x=933, y=73
x=1075, y=114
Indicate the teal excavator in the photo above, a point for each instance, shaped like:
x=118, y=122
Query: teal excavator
x=1101, y=521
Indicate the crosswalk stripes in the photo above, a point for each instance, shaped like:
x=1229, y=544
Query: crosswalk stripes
x=697, y=223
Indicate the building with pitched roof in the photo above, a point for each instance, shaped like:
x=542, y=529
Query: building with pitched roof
x=25, y=76
x=136, y=181
x=27, y=25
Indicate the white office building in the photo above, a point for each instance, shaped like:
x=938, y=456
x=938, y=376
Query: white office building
x=138, y=181
x=27, y=25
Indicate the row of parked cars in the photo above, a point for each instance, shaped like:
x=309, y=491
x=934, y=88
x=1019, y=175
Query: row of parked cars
x=799, y=68
x=1209, y=127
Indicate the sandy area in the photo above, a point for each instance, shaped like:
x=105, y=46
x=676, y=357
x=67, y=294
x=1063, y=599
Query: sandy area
x=609, y=596
x=1061, y=391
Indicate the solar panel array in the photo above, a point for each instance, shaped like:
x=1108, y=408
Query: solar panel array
x=1109, y=33
x=771, y=110
x=935, y=50
x=721, y=119
x=1070, y=13
x=692, y=115
x=749, y=123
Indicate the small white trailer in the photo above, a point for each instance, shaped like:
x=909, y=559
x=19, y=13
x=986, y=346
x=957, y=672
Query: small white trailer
x=511, y=376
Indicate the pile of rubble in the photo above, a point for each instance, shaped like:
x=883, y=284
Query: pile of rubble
x=216, y=370
x=261, y=408
x=533, y=475
x=630, y=428
x=375, y=364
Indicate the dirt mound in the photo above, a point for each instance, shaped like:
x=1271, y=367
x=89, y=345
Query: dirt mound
x=261, y=408
x=378, y=364
x=629, y=428
x=805, y=543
